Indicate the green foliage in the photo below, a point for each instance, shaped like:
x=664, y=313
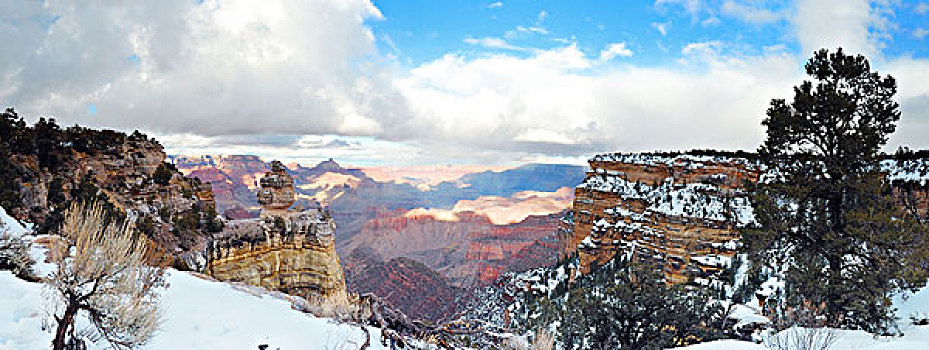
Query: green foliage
x=830, y=221
x=623, y=305
x=163, y=174
x=9, y=186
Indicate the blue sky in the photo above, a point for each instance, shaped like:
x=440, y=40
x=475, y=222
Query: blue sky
x=373, y=82
x=418, y=31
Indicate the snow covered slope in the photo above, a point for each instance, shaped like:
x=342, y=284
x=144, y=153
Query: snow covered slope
x=915, y=338
x=199, y=314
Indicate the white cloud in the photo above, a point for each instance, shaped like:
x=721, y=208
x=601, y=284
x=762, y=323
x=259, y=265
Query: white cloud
x=532, y=29
x=709, y=47
x=493, y=43
x=712, y=21
x=920, y=33
x=218, y=67
x=550, y=103
x=281, y=71
x=851, y=24
x=750, y=14
x=615, y=50
x=662, y=27
x=495, y=5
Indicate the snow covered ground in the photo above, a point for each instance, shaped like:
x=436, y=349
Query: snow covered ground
x=199, y=314
x=914, y=338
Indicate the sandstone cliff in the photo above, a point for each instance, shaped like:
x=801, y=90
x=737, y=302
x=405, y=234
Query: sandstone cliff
x=680, y=212
x=685, y=212
x=285, y=250
x=294, y=253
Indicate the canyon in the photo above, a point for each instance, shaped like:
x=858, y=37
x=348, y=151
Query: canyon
x=455, y=234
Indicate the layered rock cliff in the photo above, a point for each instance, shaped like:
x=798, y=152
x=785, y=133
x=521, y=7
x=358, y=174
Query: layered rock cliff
x=290, y=251
x=685, y=212
x=293, y=253
x=680, y=212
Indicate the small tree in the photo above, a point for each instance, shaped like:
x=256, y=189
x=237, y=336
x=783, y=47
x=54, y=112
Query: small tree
x=102, y=274
x=629, y=305
x=14, y=254
x=163, y=174
x=828, y=215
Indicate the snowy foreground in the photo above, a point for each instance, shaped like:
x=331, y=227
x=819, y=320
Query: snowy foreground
x=199, y=314
x=915, y=338
x=203, y=314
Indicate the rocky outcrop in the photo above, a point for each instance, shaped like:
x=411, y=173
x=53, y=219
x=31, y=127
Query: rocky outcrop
x=54, y=167
x=290, y=251
x=294, y=253
x=680, y=212
x=277, y=191
x=685, y=212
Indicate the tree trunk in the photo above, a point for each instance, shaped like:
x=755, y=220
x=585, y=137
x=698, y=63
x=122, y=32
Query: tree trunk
x=64, y=324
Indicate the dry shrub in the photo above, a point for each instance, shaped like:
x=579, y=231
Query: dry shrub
x=14, y=255
x=342, y=309
x=543, y=340
x=102, y=274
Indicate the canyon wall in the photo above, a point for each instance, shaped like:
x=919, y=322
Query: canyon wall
x=680, y=212
x=685, y=212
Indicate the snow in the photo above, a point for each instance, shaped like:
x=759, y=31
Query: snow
x=199, y=314
x=693, y=200
x=10, y=225
x=913, y=170
x=915, y=304
x=915, y=338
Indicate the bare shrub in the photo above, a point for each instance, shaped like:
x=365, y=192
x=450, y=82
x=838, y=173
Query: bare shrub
x=14, y=255
x=803, y=338
x=543, y=341
x=802, y=328
x=341, y=309
x=102, y=274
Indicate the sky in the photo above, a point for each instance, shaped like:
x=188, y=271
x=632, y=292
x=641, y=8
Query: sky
x=413, y=82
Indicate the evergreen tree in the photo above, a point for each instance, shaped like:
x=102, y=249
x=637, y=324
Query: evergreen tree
x=828, y=216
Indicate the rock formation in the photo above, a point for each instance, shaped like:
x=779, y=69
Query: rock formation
x=680, y=212
x=290, y=251
x=685, y=212
x=277, y=191
x=51, y=167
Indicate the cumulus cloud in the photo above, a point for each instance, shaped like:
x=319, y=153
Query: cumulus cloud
x=495, y=5
x=216, y=67
x=852, y=24
x=269, y=78
x=615, y=50
x=550, y=100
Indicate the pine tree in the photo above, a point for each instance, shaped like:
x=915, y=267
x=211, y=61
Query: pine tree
x=827, y=215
